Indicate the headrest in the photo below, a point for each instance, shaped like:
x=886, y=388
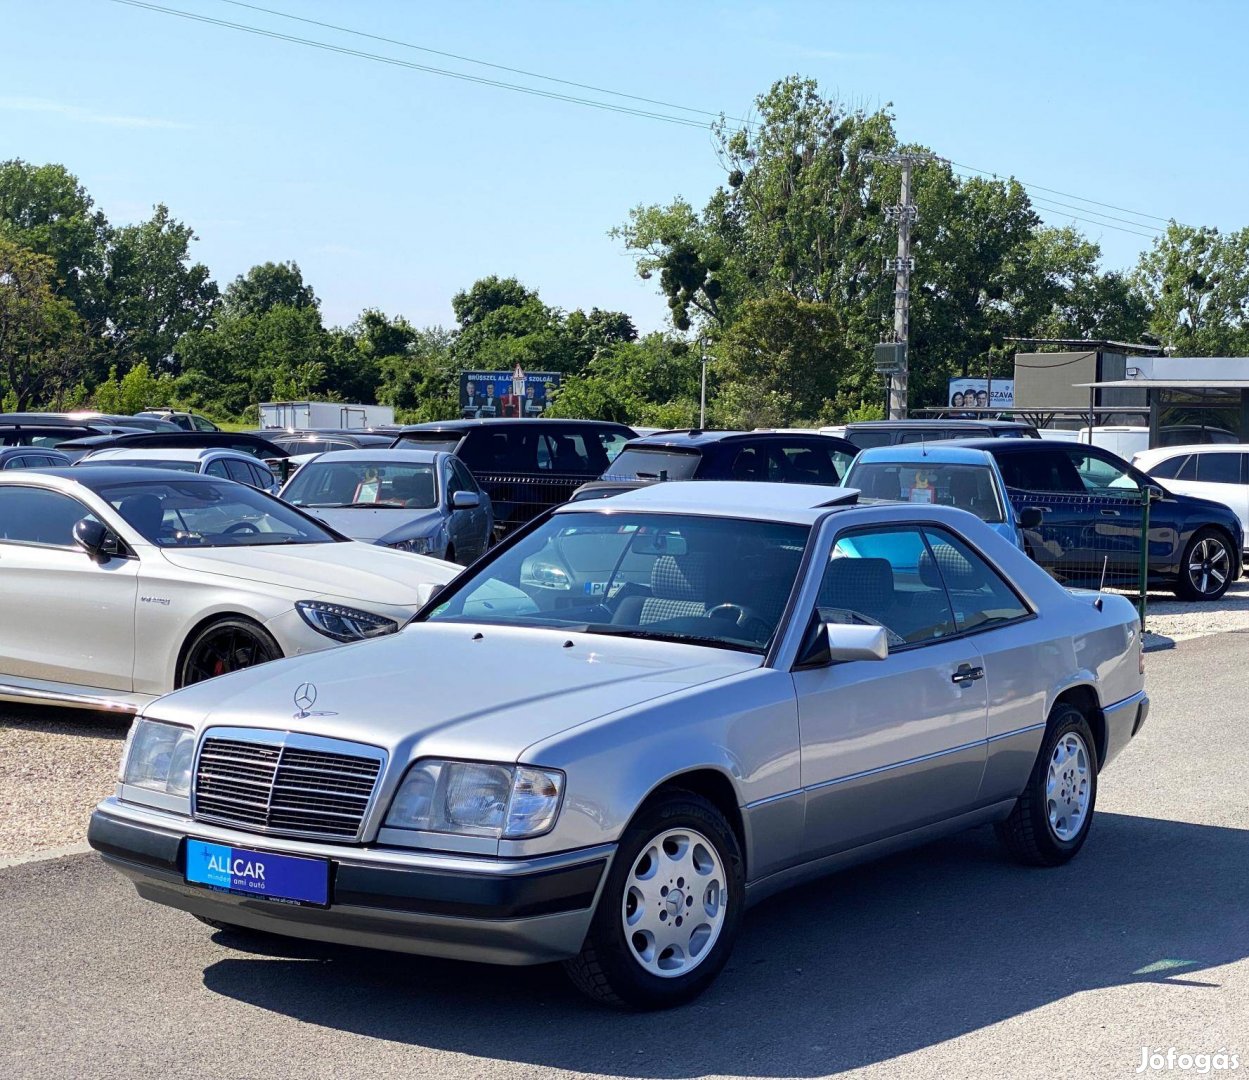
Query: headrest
x=955, y=569
x=680, y=577
x=857, y=584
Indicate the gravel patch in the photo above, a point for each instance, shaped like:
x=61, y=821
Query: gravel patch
x=1179, y=620
x=55, y=765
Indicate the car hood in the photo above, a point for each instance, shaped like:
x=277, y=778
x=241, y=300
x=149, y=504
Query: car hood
x=468, y=691
x=363, y=524
x=362, y=571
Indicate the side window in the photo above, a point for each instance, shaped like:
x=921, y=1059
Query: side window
x=811, y=465
x=18, y=461
x=217, y=468
x=1218, y=468
x=262, y=477
x=466, y=478
x=454, y=483
x=200, y=424
x=564, y=454
x=240, y=473
x=1188, y=469
x=1101, y=476
x=750, y=463
x=32, y=516
x=1045, y=471
x=979, y=595
x=486, y=451
x=887, y=578
x=612, y=442
x=1170, y=468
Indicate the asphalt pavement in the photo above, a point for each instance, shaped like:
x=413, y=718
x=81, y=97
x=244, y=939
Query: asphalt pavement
x=949, y=961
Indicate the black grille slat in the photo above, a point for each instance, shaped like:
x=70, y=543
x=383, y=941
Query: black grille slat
x=294, y=790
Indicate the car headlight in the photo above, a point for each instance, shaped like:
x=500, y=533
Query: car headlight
x=545, y=576
x=159, y=756
x=418, y=545
x=344, y=623
x=475, y=799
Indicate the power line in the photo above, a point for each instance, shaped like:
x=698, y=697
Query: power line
x=394, y=62
x=1065, y=194
x=483, y=63
x=571, y=98
x=1089, y=221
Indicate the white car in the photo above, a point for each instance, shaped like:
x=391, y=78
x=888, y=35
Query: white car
x=1215, y=471
x=209, y=460
x=120, y=584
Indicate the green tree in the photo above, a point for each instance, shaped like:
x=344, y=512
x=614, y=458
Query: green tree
x=45, y=209
x=266, y=286
x=154, y=292
x=41, y=337
x=1196, y=281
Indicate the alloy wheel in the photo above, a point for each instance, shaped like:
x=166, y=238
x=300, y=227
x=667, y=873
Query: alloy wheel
x=230, y=648
x=1209, y=564
x=1068, y=789
x=674, y=903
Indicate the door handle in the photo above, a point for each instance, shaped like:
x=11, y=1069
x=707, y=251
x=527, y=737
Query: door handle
x=966, y=675
x=1110, y=513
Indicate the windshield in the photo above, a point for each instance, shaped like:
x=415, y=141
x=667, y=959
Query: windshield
x=365, y=484
x=968, y=487
x=708, y=581
x=637, y=464
x=210, y=514
x=142, y=463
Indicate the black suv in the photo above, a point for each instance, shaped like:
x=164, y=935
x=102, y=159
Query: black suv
x=869, y=433
x=779, y=457
x=1090, y=504
x=525, y=466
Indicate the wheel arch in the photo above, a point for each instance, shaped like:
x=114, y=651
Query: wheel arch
x=717, y=788
x=1084, y=697
x=206, y=621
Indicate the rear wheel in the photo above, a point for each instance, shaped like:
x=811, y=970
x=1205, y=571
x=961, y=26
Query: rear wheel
x=669, y=910
x=1206, y=569
x=223, y=646
x=1051, y=819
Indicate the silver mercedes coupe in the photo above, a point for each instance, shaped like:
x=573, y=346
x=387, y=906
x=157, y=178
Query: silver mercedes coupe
x=627, y=723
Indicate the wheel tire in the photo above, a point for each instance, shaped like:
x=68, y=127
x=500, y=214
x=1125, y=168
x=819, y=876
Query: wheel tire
x=239, y=643
x=1211, y=549
x=1030, y=834
x=607, y=968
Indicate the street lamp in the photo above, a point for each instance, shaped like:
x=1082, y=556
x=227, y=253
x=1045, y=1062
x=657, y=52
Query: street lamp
x=702, y=396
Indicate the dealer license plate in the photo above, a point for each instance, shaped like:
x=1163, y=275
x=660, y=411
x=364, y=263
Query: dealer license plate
x=290, y=879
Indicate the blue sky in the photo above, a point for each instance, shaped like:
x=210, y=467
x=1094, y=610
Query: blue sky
x=394, y=188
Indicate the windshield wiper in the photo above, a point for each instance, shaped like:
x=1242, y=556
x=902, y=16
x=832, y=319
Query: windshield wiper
x=388, y=504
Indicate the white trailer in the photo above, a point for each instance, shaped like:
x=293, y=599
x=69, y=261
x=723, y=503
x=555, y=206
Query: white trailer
x=310, y=415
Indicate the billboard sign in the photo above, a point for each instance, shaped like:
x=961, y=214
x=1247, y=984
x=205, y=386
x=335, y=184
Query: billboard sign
x=485, y=394
x=978, y=394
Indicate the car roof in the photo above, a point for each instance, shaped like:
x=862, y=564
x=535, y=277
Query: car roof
x=169, y=453
x=997, y=446
x=696, y=438
x=1162, y=452
x=507, y=421
x=801, y=504
x=938, y=453
x=893, y=425
x=102, y=476
x=384, y=454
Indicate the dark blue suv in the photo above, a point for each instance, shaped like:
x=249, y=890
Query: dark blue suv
x=1090, y=503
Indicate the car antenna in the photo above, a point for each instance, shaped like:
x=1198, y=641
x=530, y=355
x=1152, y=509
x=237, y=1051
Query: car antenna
x=1101, y=585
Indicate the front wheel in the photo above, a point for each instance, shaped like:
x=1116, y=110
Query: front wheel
x=1051, y=819
x=1206, y=569
x=227, y=645
x=670, y=908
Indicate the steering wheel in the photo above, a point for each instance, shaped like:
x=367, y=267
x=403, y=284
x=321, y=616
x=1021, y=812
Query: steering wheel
x=755, y=625
x=241, y=528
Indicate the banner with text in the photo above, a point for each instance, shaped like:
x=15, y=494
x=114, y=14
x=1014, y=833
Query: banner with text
x=484, y=394
x=979, y=394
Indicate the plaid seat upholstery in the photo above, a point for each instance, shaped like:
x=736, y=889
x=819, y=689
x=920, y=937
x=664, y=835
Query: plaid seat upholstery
x=953, y=565
x=863, y=585
x=679, y=587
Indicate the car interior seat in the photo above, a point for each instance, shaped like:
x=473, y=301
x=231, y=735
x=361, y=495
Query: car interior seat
x=144, y=512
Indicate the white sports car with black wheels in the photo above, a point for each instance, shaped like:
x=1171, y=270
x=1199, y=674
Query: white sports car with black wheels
x=119, y=584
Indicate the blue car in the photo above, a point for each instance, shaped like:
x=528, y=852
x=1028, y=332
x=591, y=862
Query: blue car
x=941, y=474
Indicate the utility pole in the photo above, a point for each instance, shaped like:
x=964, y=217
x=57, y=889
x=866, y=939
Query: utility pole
x=905, y=214
x=702, y=395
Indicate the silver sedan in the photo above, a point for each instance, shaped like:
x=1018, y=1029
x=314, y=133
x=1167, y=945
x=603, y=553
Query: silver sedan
x=423, y=501
x=623, y=726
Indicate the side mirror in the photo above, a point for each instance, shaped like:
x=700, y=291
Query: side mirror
x=465, y=500
x=1153, y=492
x=837, y=643
x=96, y=540
x=852, y=642
x=1031, y=517
x=426, y=591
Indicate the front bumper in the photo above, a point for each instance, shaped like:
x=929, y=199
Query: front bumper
x=500, y=911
